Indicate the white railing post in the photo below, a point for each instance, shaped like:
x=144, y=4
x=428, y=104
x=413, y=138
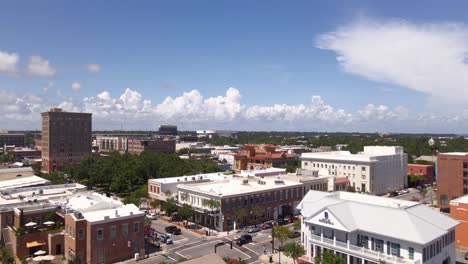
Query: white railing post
x=334, y=240
x=347, y=242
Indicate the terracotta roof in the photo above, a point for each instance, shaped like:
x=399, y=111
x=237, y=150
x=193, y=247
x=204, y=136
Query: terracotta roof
x=341, y=180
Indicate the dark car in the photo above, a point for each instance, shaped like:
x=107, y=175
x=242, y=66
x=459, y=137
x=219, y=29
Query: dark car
x=281, y=221
x=244, y=239
x=292, y=219
x=175, y=218
x=173, y=230
x=393, y=194
x=294, y=234
x=267, y=225
x=466, y=255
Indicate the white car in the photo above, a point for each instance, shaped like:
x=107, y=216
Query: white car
x=404, y=191
x=152, y=216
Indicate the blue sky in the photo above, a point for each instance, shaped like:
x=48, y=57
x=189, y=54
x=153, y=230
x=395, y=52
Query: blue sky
x=271, y=52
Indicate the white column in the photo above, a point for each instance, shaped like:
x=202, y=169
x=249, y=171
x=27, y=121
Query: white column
x=347, y=242
x=321, y=235
x=347, y=258
x=334, y=239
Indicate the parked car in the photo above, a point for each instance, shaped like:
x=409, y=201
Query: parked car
x=404, y=191
x=294, y=234
x=281, y=221
x=253, y=229
x=173, y=230
x=392, y=194
x=267, y=225
x=244, y=239
x=167, y=239
x=175, y=218
x=292, y=219
x=152, y=216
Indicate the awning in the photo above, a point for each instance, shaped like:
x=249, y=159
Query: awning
x=34, y=244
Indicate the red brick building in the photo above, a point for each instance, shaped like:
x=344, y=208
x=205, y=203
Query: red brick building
x=459, y=211
x=66, y=138
x=254, y=157
x=164, y=146
x=452, y=177
x=426, y=170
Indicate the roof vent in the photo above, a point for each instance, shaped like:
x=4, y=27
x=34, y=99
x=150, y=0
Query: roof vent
x=279, y=182
x=246, y=181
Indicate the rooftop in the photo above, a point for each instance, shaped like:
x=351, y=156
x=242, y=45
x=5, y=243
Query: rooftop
x=410, y=221
x=235, y=186
x=23, y=182
x=196, y=177
x=462, y=200
x=370, y=154
x=95, y=207
x=455, y=153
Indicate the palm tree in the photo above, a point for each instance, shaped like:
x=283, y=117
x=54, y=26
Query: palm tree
x=294, y=250
x=213, y=205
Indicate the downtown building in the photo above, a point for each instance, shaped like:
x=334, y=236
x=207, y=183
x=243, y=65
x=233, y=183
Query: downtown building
x=368, y=229
x=452, y=177
x=153, y=145
x=11, y=139
x=254, y=157
x=377, y=170
x=66, y=138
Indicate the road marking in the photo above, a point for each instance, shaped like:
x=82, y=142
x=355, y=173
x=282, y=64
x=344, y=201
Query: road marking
x=252, y=251
x=211, y=242
x=248, y=257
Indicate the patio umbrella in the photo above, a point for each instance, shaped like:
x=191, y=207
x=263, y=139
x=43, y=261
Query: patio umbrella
x=30, y=224
x=48, y=257
x=39, y=252
x=40, y=258
x=49, y=223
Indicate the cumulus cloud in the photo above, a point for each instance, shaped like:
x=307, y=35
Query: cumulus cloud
x=428, y=58
x=8, y=62
x=93, y=68
x=40, y=67
x=48, y=86
x=19, y=109
x=76, y=86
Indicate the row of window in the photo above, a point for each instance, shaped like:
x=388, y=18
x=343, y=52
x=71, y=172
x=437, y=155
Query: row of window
x=70, y=230
x=378, y=245
x=435, y=248
x=265, y=198
x=332, y=166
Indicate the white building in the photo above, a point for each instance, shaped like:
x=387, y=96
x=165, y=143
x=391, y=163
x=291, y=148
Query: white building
x=377, y=170
x=216, y=133
x=229, y=157
x=366, y=229
x=112, y=143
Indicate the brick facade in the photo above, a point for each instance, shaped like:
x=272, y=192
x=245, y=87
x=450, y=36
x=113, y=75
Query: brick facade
x=452, y=178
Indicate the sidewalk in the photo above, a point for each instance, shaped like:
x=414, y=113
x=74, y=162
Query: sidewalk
x=284, y=260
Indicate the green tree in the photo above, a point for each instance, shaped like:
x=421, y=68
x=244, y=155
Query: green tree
x=294, y=250
x=281, y=233
x=169, y=207
x=238, y=215
x=7, y=258
x=186, y=212
x=257, y=211
x=297, y=224
x=213, y=205
x=328, y=257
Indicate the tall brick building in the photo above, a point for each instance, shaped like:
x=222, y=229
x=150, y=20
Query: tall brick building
x=452, y=177
x=66, y=138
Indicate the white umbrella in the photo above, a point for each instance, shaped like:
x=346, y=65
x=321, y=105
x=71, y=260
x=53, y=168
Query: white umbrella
x=40, y=258
x=49, y=223
x=30, y=224
x=39, y=252
x=48, y=257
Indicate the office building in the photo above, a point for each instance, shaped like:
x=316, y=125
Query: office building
x=376, y=170
x=216, y=133
x=167, y=130
x=368, y=229
x=11, y=139
x=112, y=143
x=162, y=146
x=254, y=157
x=452, y=177
x=66, y=138
x=459, y=212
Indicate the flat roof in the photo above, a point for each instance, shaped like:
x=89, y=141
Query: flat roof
x=188, y=178
x=236, y=186
x=370, y=154
x=455, y=153
x=23, y=182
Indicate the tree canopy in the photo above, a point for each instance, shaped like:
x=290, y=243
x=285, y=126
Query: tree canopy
x=294, y=250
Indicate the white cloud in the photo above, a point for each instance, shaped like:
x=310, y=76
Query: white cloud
x=93, y=68
x=48, y=86
x=429, y=58
x=76, y=86
x=8, y=62
x=40, y=67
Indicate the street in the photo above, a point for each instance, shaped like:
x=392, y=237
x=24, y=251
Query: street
x=190, y=245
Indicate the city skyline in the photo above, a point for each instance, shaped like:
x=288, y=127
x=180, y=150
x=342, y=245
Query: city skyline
x=355, y=66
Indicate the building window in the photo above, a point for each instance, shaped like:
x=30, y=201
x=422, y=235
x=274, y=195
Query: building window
x=124, y=230
x=465, y=173
x=379, y=245
x=443, y=199
x=81, y=234
x=100, y=234
x=395, y=249
x=364, y=241
x=411, y=253
x=136, y=227
x=465, y=165
x=363, y=168
x=113, y=231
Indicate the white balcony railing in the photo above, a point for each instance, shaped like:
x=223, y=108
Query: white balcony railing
x=359, y=251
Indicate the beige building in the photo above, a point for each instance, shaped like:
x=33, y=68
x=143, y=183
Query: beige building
x=66, y=138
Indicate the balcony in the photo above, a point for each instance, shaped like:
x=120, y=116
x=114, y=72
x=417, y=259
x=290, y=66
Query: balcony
x=359, y=251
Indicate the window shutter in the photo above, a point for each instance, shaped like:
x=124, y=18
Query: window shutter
x=388, y=247
x=372, y=244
